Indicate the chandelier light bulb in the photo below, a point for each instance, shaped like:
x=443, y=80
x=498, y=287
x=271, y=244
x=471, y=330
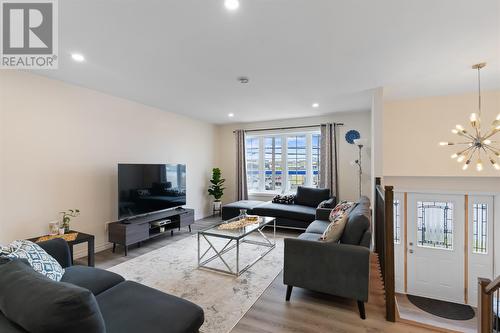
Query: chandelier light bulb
x=444, y=143
x=460, y=158
x=496, y=166
x=459, y=127
x=454, y=156
x=454, y=131
x=487, y=142
x=465, y=167
x=479, y=166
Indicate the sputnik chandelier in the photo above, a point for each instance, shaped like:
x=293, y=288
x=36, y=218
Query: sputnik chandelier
x=477, y=144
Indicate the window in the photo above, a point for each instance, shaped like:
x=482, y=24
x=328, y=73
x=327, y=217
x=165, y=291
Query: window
x=479, y=228
x=272, y=164
x=297, y=160
x=435, y=224
x=397, y=222
x=280, y=162
x=252, y=156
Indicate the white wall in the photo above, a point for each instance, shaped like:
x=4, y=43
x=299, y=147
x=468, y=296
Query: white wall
x=348, y=179
x=60, y=145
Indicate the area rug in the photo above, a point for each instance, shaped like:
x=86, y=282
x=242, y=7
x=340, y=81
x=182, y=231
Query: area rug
x=442, y=309
x=225, y=299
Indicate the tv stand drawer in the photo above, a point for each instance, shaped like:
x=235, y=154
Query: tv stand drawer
x=187, y=218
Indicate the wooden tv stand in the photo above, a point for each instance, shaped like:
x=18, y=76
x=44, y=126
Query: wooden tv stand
x=138, y=229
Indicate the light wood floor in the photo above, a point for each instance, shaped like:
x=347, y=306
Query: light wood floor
x=306, y=312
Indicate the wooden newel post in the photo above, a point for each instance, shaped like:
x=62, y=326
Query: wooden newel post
x=389, y=254
x=484, y=308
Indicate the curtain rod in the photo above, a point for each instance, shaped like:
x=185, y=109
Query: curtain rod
x=286, y=128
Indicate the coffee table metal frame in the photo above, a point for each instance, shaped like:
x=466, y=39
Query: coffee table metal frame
x=234, y=242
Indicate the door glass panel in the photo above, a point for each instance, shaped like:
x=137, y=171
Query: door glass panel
x=435, y=224
x=480, y=228
x=397, y=222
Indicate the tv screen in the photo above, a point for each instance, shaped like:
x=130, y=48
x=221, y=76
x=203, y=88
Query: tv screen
x=146, y=188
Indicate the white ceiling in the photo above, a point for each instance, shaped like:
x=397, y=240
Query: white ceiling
x=184, y=56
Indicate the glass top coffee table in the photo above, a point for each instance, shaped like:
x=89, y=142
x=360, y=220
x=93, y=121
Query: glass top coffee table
x=233, y=238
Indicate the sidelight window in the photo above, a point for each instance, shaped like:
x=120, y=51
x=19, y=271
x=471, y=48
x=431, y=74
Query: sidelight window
x=480, y=228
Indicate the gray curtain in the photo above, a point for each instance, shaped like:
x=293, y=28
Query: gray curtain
x=241, y=166
x=328, y=176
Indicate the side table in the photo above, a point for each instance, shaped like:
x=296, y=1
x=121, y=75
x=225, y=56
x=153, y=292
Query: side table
x=80, y=238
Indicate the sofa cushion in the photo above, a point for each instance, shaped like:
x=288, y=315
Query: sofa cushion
x=357, y=223
x=309, y=236
x=296, y=212
x=37, y=257
x=233, y=209
x=159, y=312
x=310, y=196
x=334, y=230
x=317, y=227
x=39, y=304
x=94, y=279
x=6, y=326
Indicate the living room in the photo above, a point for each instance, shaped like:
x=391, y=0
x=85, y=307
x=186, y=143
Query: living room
x=303, y=106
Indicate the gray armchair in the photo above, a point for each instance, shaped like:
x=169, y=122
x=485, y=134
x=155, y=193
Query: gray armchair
x=341, y=269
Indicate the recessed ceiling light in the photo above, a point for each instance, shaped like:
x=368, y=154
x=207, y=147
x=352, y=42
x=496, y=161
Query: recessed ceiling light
x=231, y=4
x=230, y=115
x=243, y=79
x=315, y=105
x=77, y=57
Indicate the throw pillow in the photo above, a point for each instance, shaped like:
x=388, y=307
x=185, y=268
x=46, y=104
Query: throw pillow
x=340, y=209
x=335, y=229
x=38, y=259
x=284, y=199
x=327, y=203
x=39, y=304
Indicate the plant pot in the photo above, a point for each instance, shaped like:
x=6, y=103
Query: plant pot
x=217, y=205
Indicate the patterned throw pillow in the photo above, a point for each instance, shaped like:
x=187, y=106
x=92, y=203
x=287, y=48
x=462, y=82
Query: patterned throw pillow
x=284, y=199
x=340, y=209
x=38, y=259
x=335, y=229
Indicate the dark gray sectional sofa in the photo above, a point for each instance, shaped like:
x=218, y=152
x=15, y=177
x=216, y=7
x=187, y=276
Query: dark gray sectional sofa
x=87, y=300
x=298, y=215
x=341, y=269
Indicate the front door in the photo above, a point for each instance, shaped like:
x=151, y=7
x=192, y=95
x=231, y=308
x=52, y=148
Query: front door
x=435, y=255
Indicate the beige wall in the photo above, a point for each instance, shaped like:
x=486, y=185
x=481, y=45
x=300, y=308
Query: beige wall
x=348, y=179
x=413, y=128
x=60, y=145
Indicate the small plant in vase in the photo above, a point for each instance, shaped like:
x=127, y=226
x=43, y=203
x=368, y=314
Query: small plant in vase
x=66, y=218
x=216, y=189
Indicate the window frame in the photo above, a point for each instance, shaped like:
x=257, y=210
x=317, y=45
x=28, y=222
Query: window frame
x=284, y=135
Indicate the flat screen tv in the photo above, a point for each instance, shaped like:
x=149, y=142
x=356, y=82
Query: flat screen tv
x=147, y=188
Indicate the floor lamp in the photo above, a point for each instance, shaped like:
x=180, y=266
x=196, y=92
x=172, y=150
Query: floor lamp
x=360, y=143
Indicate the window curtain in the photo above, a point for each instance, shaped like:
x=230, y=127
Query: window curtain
x=328, y=175
x=241, y=166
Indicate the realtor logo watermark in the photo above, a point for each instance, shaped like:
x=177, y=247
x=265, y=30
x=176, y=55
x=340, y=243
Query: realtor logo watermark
x=29, y=38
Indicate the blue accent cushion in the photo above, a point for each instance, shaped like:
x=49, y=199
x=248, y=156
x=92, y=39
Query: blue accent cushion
x=38, y=259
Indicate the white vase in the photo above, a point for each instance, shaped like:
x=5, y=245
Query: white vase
x=61, y=231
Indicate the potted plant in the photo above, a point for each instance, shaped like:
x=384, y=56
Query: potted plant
x=66, y=218
x=216, y=188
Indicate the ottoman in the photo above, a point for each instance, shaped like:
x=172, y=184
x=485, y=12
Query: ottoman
x=233, y=209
